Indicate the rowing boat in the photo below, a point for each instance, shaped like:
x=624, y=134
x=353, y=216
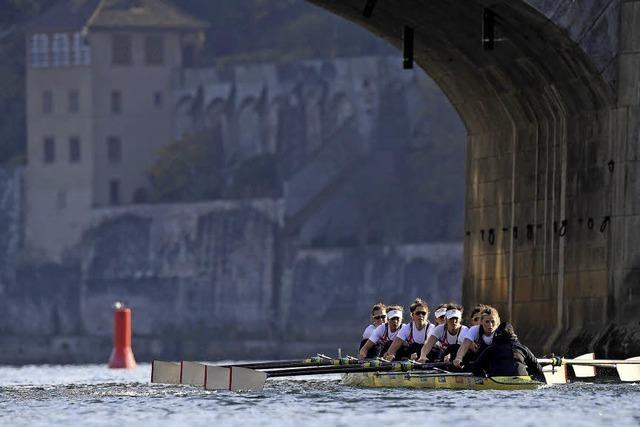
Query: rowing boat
x=443, y=380
x=379, y=373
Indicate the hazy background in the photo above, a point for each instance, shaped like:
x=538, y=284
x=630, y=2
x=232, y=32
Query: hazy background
x=308, y=176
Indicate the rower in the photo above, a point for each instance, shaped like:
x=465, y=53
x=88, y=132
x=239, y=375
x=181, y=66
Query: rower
x=411, y=336
x=382, y=337
x=378, y=317
x=478, y=337
x=441, y=311
x=506, y=357
x=449, y=335
x=476, y=314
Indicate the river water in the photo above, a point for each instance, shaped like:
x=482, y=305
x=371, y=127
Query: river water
x=94, y=395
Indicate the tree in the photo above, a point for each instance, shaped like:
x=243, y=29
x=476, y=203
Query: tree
x=188, y=170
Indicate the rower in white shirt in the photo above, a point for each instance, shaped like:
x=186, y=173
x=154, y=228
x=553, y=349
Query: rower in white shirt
x=378, y=317
x=440, y=314
x=382, y=337
x=411, y=336
x=478, y=337
x=449, y=335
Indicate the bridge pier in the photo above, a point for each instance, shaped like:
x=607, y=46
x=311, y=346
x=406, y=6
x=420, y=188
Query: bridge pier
x=553, y=180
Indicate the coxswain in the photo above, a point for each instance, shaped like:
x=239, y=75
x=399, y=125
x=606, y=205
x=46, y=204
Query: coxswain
x=449, y=336
x=506, y=357
x=382, y=337
x=478, y=337
x=411, y=336
x=378, y=317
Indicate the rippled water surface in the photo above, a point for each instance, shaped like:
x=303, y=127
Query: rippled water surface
x=95, y=395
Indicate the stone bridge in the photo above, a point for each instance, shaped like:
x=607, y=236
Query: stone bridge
x=549, y=92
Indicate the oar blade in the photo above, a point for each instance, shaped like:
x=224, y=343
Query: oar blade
x=193, y=373
x=165, y=372
x=584, y=371
x=243, y=379
x=217, y=378
x=555, y=374
x=629, y=372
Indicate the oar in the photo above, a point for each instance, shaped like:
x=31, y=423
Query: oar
x=320, y=360
x=201, y=374
x=584, y=366
x=243, y=379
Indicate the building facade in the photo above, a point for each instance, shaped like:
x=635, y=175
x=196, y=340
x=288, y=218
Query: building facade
x=98, y=94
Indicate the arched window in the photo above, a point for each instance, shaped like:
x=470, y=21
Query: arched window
x=60, y=50
x=81, y=50
x=39, y=50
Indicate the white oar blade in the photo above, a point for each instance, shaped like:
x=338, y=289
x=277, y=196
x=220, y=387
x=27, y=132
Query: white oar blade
x=585, y=371
x=165, y=372
x=217, y=378
x=629, y=372
x=555, y=374
x=243, y=379
x=193, y=373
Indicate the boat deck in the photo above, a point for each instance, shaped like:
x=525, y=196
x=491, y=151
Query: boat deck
x=455, y=381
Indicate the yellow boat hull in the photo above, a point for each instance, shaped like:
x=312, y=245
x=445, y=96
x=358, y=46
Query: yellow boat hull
x=446, y=381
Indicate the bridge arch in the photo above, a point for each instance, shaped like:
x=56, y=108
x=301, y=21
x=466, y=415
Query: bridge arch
x=539, y=109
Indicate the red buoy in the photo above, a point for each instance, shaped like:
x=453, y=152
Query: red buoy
x=122, y=355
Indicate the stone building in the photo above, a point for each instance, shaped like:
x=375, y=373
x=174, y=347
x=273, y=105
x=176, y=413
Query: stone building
x=99, y=79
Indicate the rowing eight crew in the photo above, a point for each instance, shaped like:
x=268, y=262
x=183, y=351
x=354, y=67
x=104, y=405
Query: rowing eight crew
x=450, y=340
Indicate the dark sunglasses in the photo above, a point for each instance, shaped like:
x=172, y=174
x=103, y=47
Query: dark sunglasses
x=382, y=316
x=418, y=313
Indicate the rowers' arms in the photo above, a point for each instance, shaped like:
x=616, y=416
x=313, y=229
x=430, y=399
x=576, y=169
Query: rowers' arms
x=462, y=351
x=426, y=348
x=365, y=349
x=393, y=349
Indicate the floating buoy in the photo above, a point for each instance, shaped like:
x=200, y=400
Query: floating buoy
x=122, y=355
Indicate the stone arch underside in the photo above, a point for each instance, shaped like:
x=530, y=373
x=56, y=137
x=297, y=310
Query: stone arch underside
x=537, y=111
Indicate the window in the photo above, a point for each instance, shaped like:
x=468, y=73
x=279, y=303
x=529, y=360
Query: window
x=60, y=52
x=114, y=192
x=74, y=149
x=39, y=50
x=114, y=149
x=47, y=102
x=153, y=50
x=121, y=49
x=49, y=149
x=81, y=50
x=116, y=102
x=74, y=101
x=158, y=99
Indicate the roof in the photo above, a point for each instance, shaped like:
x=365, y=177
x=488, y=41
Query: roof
x=64, y=15
x=74, y=15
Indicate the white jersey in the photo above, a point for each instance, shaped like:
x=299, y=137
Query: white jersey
x=473, y=334
x=367, y=332
x=449, y=339
x=418, y=337
x=383, y=331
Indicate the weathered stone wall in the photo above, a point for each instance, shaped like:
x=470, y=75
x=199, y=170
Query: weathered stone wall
x=10, y=223
x=203, y=284
x=329, y=294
